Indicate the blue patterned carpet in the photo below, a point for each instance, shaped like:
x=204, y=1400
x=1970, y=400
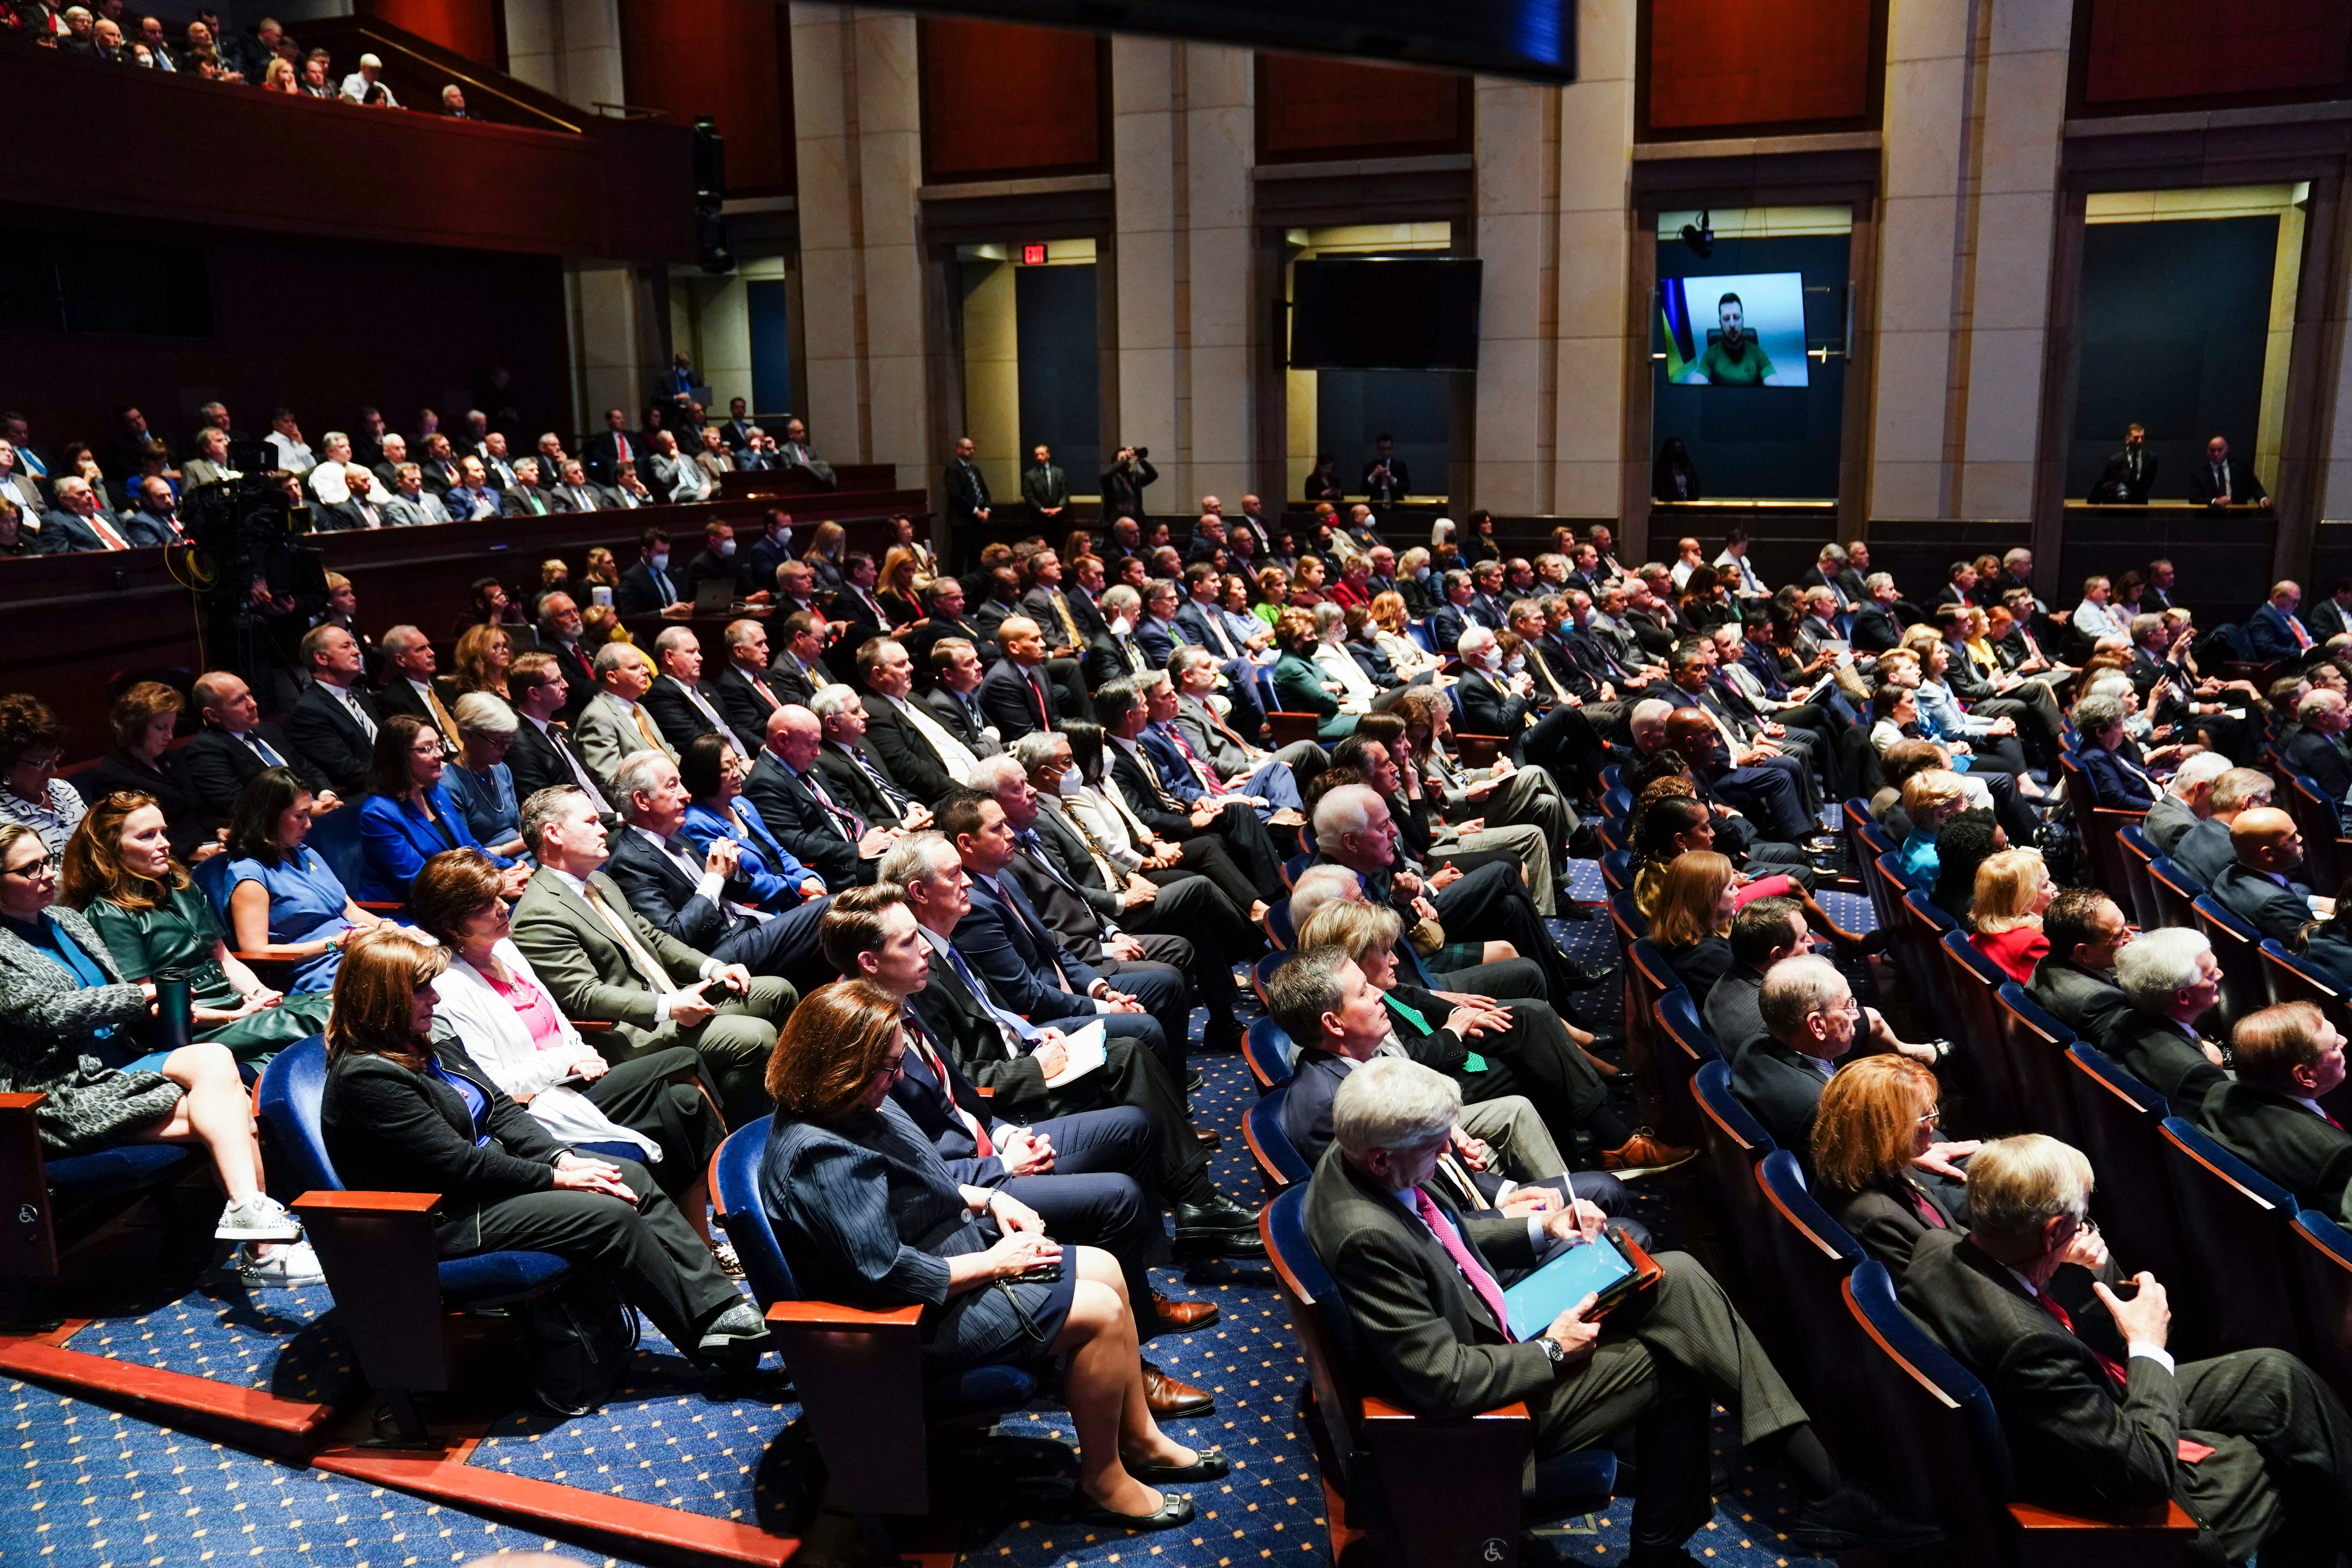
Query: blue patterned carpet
x=102, y=1488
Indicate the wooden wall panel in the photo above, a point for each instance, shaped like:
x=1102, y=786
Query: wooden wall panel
x=1001, y=100
x=1713, y=65
x=1311, y=110
x=730, y=59
x=2147, y=54
x=469, y=27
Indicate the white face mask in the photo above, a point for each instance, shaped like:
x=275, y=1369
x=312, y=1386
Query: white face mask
x=1118, y=627
x=725, y=547
x=660, y=559
x=1518, y=662
x=1071, y=780
x=783, y=541
x=1420, y=573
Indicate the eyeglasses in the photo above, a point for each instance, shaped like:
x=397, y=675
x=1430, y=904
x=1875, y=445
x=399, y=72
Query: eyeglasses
x=1933, y=1117
x=32, y=870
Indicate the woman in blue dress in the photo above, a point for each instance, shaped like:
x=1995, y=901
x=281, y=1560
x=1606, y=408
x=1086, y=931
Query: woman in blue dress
x=282, y=898
x=713, y=774
x=408, y=817
x=868, y=1213
x=480, y=782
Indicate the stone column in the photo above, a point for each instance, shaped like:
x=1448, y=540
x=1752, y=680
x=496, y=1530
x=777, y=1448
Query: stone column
x=569, y=48
x=1152, y=191
x=1517, y=236
x=1602, y=357
x=1221, y=148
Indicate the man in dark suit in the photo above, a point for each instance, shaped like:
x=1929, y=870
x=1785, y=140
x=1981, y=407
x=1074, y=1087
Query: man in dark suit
x=613, y=445
x=2333, y=615
x=954, y=695
x=944, y=618
x=2255, y=888
x=853, y=771
x=967, y=490
x=2224, y=480
x=1386, y=479
x=2273, y=630
x=1810, y=1014
x=1424, y=1281
x=2288, y=1059
x=544, y=752
x=1178, y=968
x=2075, y=981
x=703, y=901
x=1875, y=627
x=1026, y=967
x=915, y=748
x=761, y=555
x=78, y=523
x=2252, y=1445
x=856, y=611
x=682, y=705
x=1044, y=486
x=646, y=587
x=1124, y=481
x=557, y=633
x=742, y=688
x=1125, y=712
x=2204, y=850
x=1451, y=618
x=800, y=670
x=1003, y=1051
x=333, y=722
x=2129, y=473
x=1016, y=694
x=234, y=745
x=790, y=795
x=2171, y=980
x=1090, y=1175
x=2317, y=747
x=716, y=562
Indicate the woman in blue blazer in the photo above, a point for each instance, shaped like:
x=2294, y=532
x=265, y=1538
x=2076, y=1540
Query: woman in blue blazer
x=408, y=817
x=713, y=776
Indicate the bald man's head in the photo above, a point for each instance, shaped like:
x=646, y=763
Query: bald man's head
x=2264, y=839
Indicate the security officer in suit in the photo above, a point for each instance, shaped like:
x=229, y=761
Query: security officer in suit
x=2128, y=474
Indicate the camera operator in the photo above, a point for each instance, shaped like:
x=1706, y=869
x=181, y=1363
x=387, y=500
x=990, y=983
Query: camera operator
x=1123, y=482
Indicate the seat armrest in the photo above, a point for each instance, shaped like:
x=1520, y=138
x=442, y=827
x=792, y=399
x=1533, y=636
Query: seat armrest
x=859, y=1374
x=1478, y=750
x=2154, y=1536
x=1451, y=1486
x=593, y=1025
x=985, y=1090
x=382, y=1264
x=834, y=1315
x=380, y=906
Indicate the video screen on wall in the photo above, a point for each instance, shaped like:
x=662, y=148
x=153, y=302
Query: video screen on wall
x=1745, y=329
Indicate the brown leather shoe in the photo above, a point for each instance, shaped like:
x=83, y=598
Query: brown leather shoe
x=1209, y=1139
x=1643, y=1154
x=1182, y=1317
x=1169, y=1399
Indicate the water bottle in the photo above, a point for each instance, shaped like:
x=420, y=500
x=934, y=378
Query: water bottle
x=175, y=1009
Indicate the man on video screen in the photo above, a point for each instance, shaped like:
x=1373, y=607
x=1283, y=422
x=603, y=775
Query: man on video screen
x=1734, y=358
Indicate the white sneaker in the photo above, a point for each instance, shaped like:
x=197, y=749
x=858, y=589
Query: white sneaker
x=260, y=1218
x=285, y=1267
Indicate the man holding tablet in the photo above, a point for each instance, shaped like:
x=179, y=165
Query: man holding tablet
x=1426, y=1286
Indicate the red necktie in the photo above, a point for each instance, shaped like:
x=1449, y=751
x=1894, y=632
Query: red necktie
x=1927, y=1210
x=1037, y=690
x=623, y=443
x=1472, y=1269
x=973, y=1124
x=106, y=534
x=2329, y=1119
x=1215, y=785
x=2114, y=1369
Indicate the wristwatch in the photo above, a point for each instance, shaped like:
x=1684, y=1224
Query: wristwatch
x=1554, y=1351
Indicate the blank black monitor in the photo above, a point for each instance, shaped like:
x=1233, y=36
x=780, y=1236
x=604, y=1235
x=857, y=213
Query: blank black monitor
x=1385, y=313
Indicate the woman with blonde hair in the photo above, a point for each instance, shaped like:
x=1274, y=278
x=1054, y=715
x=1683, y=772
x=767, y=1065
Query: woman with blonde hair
x=484, y=655
x=868, y=1213
x=1697, y=898
x=278, y=77
x=1929, y=798
x=1390, y=621
x=899, y=587
x=824, y=556
x=2013, y=888
x=1273, y=594
x=1877, y=1118
x=118, y=872
x=601, y=571
x=405, y=1112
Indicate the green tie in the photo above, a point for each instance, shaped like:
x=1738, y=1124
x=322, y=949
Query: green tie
x=1471, y=1062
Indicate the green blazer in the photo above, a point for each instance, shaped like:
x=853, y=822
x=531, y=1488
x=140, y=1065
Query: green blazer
x=1298, y=686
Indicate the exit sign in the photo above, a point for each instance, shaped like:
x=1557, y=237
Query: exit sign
x=1033, y=255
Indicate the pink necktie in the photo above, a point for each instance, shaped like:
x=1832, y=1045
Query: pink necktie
x=1472, y=1269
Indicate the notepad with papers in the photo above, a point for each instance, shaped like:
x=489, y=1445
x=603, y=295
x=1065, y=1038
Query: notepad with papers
x=1600, y=1268
x=1085, y=1050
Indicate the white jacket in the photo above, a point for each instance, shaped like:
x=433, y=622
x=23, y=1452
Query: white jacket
x=486, y=1024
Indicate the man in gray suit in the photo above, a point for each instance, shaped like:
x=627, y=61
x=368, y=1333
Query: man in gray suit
x=411, y=503
x=615, y=723
x=1425, y=1284
x=599, y=959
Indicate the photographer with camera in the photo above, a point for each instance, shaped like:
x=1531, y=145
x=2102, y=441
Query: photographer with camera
x=1123, y=482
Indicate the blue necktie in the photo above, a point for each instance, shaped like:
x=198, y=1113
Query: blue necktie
x=1020, y=1025
x=262, y=746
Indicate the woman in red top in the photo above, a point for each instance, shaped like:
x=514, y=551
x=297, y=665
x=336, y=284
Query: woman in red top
x=2012, y=890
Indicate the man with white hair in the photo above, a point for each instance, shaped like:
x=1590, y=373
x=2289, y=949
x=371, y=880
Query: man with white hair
x=704, y=900
x=1500, y=699
x=2317, y=748
x=614, y=723
x=78, y=523
x=1811, y=1015
x=2171, y=980
x=365, y=85
x=2186, y=800
x=333, y=481
x=409, y=687
x=680, y=701
x=853, y=771
x=918, y=751
x=1424, y=1278
x=2254, y=1446
x=790, y=795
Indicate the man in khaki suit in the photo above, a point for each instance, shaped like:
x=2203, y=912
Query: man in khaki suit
x=601, y=960
x=615, y=723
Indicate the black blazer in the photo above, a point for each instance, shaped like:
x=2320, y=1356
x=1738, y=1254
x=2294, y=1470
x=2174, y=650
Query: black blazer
x=2084, y=1000
x=2157, y=1054
x=189, y=823
x=2282, y=1139
x=680, y=720
x=729, y=691
x=944, y=706
x=1487, y=709
x=2309, y=751
x=799, y=823
x=789, y=681
x=925, y=1100
x=1146, y=796
x=1885, y=1219
x=1700, y=965
x=854, y=787
x=214, y=768
x=2261, y=902
x=391, y=1130
x=1875, y=629
x=1781, y=1091
x=536, y=762
x=2242, y=487
x=891, y=738
x=331, y=740
x=2117, y=483
x=963, y=1028
x=931, y=630
x=1010, y=700
x=665, y=895
x=2075, y=1442
x=639, y=594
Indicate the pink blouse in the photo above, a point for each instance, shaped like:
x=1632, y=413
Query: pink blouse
x=533, y=1007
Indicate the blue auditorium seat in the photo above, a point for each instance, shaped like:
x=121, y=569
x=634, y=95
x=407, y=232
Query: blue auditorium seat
x=1279, y=1162
x=1262, y=971
x=2237, y=948
x=1617, y=869
x=2034, y=1046
x=1734, y=1143
x=2321, y=1250
x=2243, y=1270
x=1278, y=924
x=2120, y=1121
x=1617, y=804
x=1812, y=1255
x=858, y=1371
x=1442, y=1492
x=1295, y=865
x=1979, y=1062
x=1269, y=1053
